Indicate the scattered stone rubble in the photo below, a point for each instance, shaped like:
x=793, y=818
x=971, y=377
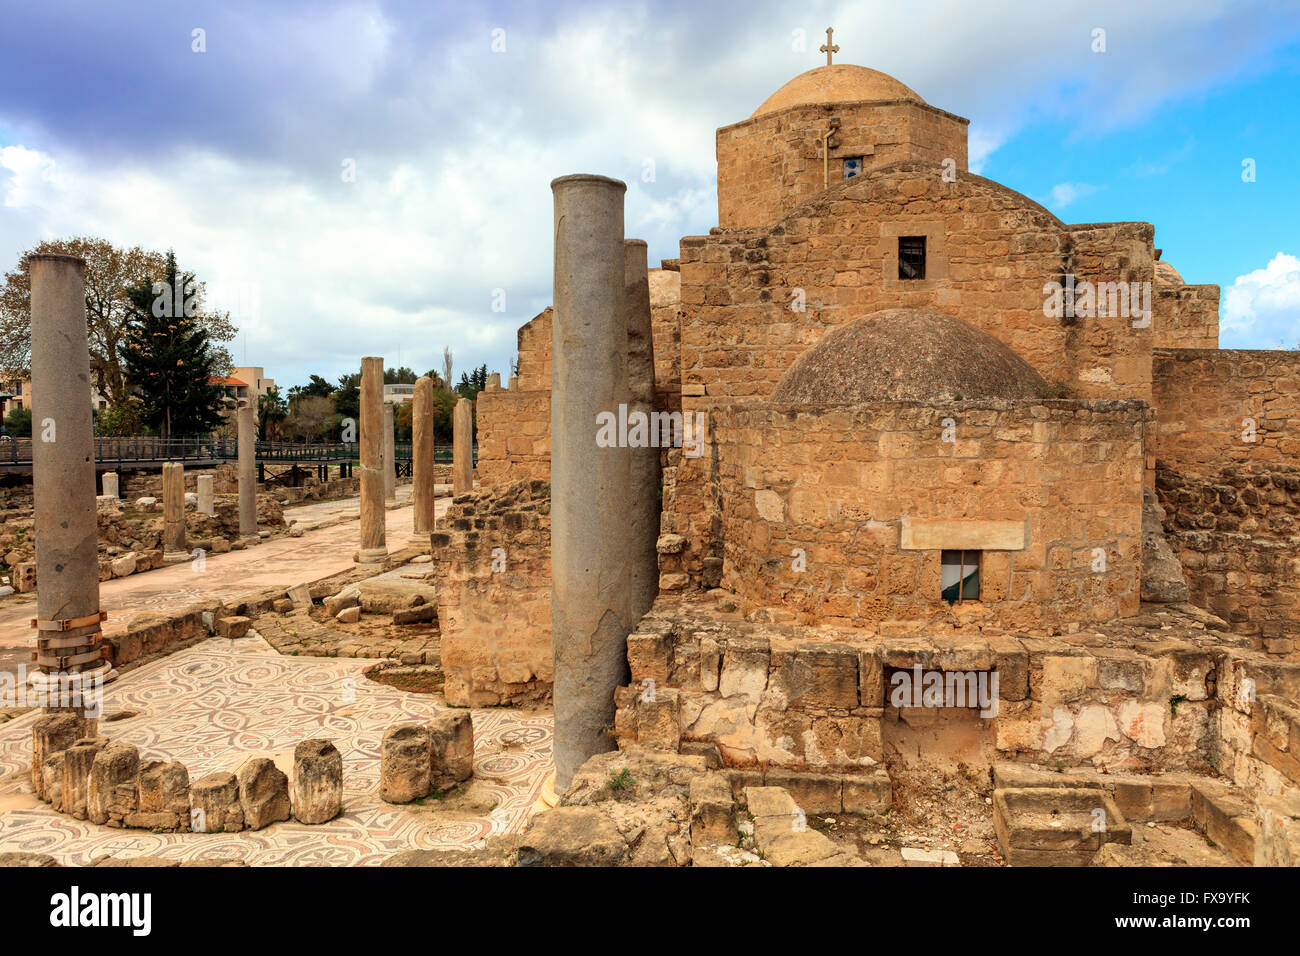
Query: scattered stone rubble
x=105, y=782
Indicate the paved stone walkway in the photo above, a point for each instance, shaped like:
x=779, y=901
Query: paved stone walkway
x=213, y=705
x=279, y=561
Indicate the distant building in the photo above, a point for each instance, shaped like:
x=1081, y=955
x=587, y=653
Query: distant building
x=398, y=394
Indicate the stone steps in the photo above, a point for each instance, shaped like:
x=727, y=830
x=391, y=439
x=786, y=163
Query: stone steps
x=1056, y=826
x=1221, y=811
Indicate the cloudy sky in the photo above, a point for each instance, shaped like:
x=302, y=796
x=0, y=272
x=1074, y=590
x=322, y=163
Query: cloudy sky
x=454, y=117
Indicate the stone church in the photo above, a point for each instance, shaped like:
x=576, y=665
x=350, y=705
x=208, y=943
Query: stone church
x=942, y=430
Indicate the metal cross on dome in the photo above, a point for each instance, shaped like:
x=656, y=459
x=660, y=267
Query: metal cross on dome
x=827, y=47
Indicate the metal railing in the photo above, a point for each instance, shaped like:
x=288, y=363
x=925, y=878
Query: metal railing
x=128, y=449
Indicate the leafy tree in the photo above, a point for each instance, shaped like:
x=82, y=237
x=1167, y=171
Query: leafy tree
x=473, y=382
x=111, y=274
x=399, y=376
x=319, y=387
x=167, y=355
x=122, y=418
x=310, y=418
x=272, y=409
x=18, y=422
x=347, y=399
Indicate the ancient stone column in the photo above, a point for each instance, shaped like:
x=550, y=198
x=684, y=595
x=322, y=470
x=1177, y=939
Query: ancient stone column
x=390, y=456
x=203, y=486
x=173, y=488
x=111, y=484
x=63, y=475
x=462, y=457
x=645, y=479
x=374, y=547
x=422, y=463
x=590, y=516
x=246, y=418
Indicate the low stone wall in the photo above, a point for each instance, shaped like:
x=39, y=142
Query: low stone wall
x=1138, y=694
x=1237, y=535
x=492, y=557
x=91, y=778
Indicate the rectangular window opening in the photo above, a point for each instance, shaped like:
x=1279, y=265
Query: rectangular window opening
x=960, y=576
x=911, y=257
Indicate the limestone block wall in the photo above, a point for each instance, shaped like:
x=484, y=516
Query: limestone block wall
x=769, y=164
x=534, y=346
x=1207, y=400
x=990, y=252
x=823, y=699
x=820, y=509
x=1237, y=535
x=1186, y=317
x=1256, y=741
x=666, y=329
x=492, y=554
x=514, y=436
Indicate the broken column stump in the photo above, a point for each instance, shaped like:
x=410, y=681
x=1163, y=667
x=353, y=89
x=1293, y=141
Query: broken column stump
x=317, y=781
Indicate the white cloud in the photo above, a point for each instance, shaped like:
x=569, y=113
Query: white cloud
x=1063, y=194
x=455, y=146
x=1262, y=308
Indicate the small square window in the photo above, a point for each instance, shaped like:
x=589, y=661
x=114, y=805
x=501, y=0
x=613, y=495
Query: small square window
x=911, y=257
x=853, y=167
x=960, y=576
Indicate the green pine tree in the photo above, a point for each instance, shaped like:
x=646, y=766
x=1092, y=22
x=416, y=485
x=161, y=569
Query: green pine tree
x=168, y=357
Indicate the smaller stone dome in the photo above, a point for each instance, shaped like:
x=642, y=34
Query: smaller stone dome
x=1167, y=274
x=902, y=355
x=838, y=83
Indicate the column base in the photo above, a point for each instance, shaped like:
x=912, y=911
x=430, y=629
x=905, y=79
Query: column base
x=176, y=557
x=420, y=541
x=372, y=555
x=548, y=799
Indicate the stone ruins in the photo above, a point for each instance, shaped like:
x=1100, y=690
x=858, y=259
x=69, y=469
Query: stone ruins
x=894, y=522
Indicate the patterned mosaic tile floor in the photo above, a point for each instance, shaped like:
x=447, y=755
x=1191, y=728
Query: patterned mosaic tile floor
x=214, y=704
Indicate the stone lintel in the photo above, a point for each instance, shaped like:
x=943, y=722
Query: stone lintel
x=933, y=534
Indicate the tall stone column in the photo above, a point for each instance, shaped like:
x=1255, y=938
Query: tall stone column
x=173, y=495
x=374, y=546
x=68, y=636
x=645, y=479
x=590, y=517
x=462, y=449
x=422, y=462
x=203, y=485
x=390, y=456
x=246, y=418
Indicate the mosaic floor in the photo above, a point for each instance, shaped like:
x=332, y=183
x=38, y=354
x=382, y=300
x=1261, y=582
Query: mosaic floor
x=212, y=705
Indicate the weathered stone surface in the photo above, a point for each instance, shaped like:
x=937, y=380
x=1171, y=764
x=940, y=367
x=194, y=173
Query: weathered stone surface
x=263, y=793
x=52, y=779
x=77, y=764
x=405, y=767
x=111, y=795
x=214, y=804
x=233, y=627
x=317, y=781
x=451, y=741
x=349, y=615
x=162, y=796
x=572, y=836
x=52, y=733
x=416, y=615
x=713, y=810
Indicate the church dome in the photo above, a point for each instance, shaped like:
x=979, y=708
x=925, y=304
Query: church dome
x=839, y=83
x=1167, y=274
x=902, y=355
